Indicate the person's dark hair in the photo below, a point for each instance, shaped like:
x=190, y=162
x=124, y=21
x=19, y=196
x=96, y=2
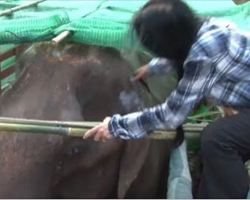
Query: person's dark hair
x=167, y=28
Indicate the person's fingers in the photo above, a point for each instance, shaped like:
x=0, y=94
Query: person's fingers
x=138, y=76
x=91, y=132
x=141, y=73
x=109, y=137
x=100, y=132
x=98, y=136
x=106, y=120
x=103, y=139
x=106, y=137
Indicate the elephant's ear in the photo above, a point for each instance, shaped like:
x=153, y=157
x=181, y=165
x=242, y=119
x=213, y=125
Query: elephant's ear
x=132, y=161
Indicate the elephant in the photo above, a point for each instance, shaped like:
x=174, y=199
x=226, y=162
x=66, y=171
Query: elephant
x=76, y=82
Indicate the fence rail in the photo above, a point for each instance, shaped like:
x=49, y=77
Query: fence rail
x=9, y=70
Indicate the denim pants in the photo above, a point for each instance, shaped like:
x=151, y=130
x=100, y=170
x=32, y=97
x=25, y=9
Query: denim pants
x=225, y=146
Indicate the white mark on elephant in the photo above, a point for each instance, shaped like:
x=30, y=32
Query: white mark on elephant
x=56, y=54
x=130, y=101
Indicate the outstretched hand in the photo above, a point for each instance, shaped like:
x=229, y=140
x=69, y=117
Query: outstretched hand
x=100, y=132
x=141, y=73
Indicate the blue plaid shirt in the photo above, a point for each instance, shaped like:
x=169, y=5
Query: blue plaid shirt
x=218, y=67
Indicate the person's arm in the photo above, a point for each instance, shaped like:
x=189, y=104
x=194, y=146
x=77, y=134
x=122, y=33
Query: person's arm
x=158, y=66
x=198, y=79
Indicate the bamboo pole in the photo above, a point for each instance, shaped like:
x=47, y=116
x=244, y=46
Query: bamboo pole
x=78, y=129
x=64, y=131
x=83, y=124
x=60, y=37
x=75, y=124
x=68, y=131
x=11, y=10
x=79, y=132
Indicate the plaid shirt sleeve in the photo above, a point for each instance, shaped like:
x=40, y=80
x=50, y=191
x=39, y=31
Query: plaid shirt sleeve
x=199, y=77
x=158, y=66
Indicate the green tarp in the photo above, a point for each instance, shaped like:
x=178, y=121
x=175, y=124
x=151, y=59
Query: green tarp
x=103, y=23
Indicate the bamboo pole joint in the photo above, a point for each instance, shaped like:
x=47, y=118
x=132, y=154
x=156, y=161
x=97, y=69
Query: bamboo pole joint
x=61, y=37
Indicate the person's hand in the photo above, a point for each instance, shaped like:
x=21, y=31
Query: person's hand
x=141, y=73
x=100, y=132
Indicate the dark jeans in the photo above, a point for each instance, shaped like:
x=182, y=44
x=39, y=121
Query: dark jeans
x=225, y=146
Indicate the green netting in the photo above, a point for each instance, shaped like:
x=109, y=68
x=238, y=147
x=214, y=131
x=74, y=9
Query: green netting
x=97, y=32
x=31, y=29
x=103, y=23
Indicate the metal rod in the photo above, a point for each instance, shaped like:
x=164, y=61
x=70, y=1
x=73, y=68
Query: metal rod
x=61, y=37
x=11, y=10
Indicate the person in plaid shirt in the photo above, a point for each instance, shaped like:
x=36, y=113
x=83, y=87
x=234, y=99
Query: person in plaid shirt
x=212, y=59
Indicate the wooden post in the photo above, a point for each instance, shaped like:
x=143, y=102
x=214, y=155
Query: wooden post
x=11, y=10
x=10, y=69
